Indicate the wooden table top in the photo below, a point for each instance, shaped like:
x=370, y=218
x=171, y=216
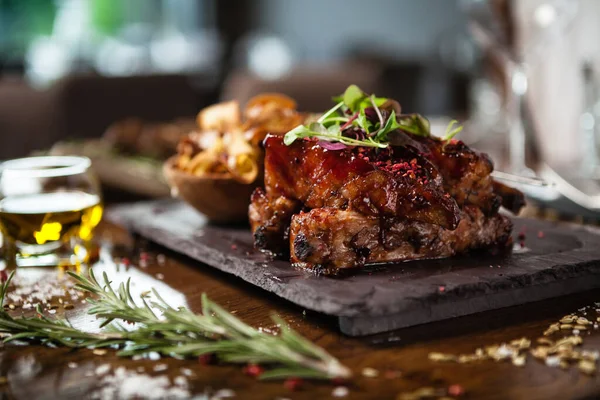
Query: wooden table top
x=400, y=357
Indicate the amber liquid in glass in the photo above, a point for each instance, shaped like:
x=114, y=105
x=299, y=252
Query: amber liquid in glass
x=44, y=218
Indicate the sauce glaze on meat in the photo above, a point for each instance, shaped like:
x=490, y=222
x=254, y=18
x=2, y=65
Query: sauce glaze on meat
x=422, y=197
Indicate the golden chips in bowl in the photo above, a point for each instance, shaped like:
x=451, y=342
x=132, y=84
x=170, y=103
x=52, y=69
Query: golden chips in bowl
x=218, y=166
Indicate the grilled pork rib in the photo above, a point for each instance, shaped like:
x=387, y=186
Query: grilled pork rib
x=419, y=198
x=333, y=239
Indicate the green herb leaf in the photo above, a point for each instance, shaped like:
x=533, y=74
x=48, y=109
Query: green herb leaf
x=369, y=101
x=318, y=127
x=390, y=125
x=333, y=120
x=363, y=123
x=379, y=101
x=450, y=132
x=297, y=133
x=318, y=131
x=416, y=124
x=353, y=96
x=333, y=129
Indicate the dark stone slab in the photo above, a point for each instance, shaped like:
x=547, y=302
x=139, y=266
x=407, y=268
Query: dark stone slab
x=560, y=260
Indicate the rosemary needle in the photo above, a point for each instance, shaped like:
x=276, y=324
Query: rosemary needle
x=176, y=332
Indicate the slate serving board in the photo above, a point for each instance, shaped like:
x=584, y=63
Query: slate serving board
x=557, y=259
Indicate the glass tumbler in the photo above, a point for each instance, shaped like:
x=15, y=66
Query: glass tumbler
x=49, y=207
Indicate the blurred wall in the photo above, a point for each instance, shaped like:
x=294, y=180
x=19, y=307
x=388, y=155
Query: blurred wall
x=326, y=29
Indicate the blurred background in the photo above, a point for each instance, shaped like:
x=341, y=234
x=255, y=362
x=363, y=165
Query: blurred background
x=69, y=68
x=520, y=75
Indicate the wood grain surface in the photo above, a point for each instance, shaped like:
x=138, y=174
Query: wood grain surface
x=400, y=357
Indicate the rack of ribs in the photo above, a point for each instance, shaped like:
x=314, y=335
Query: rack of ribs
x=422, y=197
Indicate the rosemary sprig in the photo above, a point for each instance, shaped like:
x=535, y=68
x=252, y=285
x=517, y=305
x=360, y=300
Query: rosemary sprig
x=176, y=332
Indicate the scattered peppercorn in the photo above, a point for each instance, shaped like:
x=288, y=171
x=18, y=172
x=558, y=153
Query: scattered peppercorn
x=456, y=390
x=338, y=380
x=253, y=370
x=391, y=374
x=293, y=384
x=207, y=359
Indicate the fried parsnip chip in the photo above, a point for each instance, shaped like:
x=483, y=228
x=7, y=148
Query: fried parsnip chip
x=242, y=158
x=226, y=145
x=220, y=117
x=263, y=104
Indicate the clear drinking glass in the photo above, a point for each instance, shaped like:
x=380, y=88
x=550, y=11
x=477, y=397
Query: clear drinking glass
x=49, y=207
x=493, y=24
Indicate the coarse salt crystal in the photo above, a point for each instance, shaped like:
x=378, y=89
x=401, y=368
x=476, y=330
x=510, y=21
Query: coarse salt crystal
x=102, y=369
x=223, y=394
x=340, y=391
x=370, y=372
x=52, y=311
x=186, y=371
x=180, y=381
x=153, y=355
x=160, y=367
x=72, y=365
x=125, y=384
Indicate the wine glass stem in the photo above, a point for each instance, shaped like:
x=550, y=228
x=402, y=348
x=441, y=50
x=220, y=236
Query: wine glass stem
x=517, y=81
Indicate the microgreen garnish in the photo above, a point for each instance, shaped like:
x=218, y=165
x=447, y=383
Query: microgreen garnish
x=415, y=124
x=450, y=131
x=319, y=131
x=330, y=112
x=176, y=332
x=390, y=125
x=349, y=123
x=359, y=119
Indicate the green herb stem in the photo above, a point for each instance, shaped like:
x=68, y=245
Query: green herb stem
x=372, y=99
x=331, y=111
x=176, y=332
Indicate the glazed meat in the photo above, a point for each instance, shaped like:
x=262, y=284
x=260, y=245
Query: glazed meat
x=421, y=197
x=316, y=177
x=270, y=220
x=332, y=239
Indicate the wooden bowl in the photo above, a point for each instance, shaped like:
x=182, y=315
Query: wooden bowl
x=221, y=199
